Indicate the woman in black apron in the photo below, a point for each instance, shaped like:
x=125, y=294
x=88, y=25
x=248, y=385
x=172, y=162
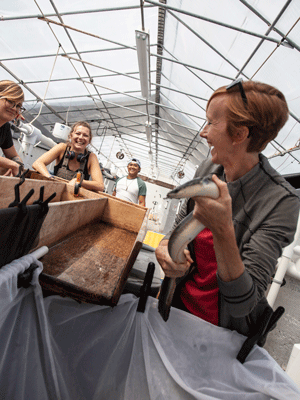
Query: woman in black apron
x=73, y=157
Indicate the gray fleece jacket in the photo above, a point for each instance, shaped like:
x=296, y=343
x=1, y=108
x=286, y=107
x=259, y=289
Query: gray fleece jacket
x=265, y=209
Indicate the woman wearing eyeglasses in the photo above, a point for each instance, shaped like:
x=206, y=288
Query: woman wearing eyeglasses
x=11, y=99
x=230, y=263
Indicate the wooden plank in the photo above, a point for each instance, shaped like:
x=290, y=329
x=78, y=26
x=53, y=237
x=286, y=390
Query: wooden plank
x=120, y=200
x=7, y=189
x=131, y=258
x=124, y=215
x=68, y=192
x=143, y=229
x=66, y=217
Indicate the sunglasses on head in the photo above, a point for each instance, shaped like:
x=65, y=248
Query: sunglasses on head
x=238, y=85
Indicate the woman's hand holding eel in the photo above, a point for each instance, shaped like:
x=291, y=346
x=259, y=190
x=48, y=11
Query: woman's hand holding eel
x=171, y=268
x=215, y=213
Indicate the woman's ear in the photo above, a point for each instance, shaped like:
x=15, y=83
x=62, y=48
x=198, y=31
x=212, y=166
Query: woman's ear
x=240, y=135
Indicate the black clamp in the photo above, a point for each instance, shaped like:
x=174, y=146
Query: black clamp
x=267, y=323
x=146, y=287
x=44, y=203
x=17, y=202
x=24, y=278
x=21, y=168
x=22, y=204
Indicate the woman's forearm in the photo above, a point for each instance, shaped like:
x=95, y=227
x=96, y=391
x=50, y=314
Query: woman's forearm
x=230, y=264
x=92, y=185
x=9, y=164
x=40, y=167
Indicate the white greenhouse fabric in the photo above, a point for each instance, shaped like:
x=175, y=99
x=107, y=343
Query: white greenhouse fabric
x=56, y=348
x=204, y=45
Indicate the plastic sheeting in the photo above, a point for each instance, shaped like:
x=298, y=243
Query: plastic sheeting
x=56, y=348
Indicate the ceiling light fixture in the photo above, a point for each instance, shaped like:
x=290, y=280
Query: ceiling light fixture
x=120, y=155
x=180, y=174
x=142, y=46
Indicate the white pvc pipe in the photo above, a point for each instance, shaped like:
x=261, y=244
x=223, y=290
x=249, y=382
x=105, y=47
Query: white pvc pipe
x=38, y=253
x=26, y=152
x=34, y=135
x=283, y=265
x=31, y=136
x=293, y=272
x=278, y=278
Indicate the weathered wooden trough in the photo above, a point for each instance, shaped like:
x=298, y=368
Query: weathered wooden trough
x=93, y=238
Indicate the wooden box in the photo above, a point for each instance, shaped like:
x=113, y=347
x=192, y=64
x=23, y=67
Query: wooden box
x=93, y=240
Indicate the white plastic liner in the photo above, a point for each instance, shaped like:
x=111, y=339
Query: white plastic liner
x=56, y=348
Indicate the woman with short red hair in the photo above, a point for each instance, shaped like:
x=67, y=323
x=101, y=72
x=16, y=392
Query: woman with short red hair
x=229, y=265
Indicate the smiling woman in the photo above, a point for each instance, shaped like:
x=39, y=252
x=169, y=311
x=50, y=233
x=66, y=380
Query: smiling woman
x=73, y=157
x=11, y=99
x=229, y=264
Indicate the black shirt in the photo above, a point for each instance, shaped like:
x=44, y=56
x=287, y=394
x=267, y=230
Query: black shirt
x=5, y=136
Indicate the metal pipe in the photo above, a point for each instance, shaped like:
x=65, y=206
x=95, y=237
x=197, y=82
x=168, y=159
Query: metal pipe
x=83, y=64
x=124, y=8
x=212, y=21
x=262, y=40
x=144, y=114
x=31, y=91
x=128, y=76
x=268, y=23
x=122, y=47
x=49, y=21
x=138, y=98
x=282, y=267
x=206, y=42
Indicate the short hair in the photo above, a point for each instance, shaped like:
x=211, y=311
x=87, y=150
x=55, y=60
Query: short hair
x=82, y=123
x=265, y=114
x=12, y=91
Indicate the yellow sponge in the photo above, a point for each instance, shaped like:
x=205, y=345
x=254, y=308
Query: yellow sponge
x=153, y=238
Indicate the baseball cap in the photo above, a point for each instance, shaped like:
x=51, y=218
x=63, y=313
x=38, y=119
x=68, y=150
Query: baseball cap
x=135, y=160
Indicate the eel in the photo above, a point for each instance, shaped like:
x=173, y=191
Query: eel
x=183, y=234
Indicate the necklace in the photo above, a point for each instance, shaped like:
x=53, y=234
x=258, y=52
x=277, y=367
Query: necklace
x=128, y=184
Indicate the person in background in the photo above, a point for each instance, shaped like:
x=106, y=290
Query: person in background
x=72, y=157
x=11, y=100
x=131, y=187
x=230, y=264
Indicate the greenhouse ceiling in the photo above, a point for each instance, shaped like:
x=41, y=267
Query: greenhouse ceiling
x=77, y=60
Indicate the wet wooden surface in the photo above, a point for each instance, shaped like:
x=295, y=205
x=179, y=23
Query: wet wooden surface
x=93, y=258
